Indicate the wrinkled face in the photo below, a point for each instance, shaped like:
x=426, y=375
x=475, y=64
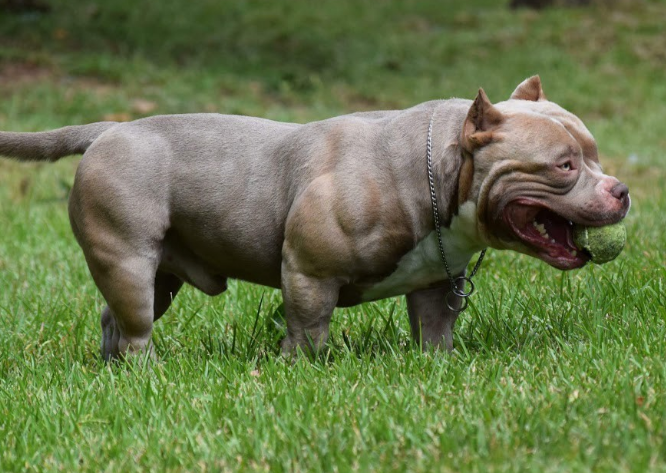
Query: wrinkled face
x=540, y=176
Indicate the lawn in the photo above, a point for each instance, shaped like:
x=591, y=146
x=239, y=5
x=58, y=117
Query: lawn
x=552, y=371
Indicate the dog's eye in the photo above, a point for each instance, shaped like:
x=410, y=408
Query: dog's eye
x=566, y=166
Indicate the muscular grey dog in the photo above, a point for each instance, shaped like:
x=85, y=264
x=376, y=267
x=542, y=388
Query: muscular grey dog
x=335, y=212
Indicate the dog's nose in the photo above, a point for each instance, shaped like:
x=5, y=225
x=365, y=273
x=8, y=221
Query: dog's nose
x=620, y=191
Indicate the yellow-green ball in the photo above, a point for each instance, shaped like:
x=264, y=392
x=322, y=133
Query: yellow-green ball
x=603, y=244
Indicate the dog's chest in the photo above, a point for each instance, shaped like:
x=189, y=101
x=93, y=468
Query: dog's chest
x=423, y=265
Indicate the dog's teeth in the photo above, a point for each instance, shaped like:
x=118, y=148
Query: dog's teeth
x=570, y=223
x=541, y=228
x=552, y=240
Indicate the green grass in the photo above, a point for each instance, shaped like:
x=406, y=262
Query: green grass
x=552, y=372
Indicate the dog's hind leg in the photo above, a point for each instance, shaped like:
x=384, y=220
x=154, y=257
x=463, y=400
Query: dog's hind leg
x=123, y=258
x=110, y=335
x=119, y=211
x=128, y=285
x=166, y=287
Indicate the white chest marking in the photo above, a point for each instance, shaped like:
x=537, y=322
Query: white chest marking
x=423, y=265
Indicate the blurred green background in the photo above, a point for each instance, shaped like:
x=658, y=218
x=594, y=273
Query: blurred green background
x=299, y=60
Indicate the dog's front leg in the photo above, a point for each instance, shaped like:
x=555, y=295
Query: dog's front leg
x=308, y=306
x=430, y=317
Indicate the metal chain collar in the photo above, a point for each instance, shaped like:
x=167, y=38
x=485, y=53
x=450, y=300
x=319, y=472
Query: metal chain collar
x=456, y=289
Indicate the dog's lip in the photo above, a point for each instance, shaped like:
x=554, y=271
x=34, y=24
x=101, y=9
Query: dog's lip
x=545, y=232
x=597, y=221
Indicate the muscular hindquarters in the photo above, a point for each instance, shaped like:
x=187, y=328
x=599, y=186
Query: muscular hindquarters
x=209, y=183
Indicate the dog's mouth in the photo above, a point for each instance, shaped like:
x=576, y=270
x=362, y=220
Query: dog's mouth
x=546, y=233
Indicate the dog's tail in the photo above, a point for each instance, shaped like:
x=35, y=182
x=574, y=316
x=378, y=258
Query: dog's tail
x=51, y=145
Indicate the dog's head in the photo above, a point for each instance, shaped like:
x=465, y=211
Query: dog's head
x=533, y=169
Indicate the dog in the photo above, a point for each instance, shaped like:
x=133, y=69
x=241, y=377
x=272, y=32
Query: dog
x=334, y=213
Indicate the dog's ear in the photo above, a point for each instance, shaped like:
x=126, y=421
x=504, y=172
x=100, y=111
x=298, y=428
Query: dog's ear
x=482, y=120
x=529, y=89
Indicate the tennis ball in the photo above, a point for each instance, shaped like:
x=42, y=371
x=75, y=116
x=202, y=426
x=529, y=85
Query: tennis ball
x=603, y=243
